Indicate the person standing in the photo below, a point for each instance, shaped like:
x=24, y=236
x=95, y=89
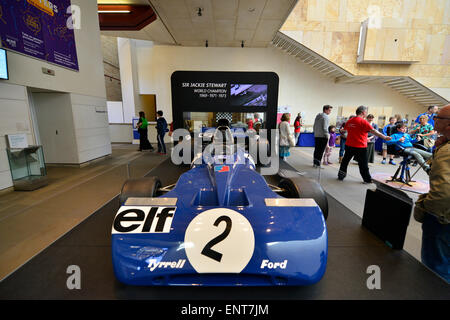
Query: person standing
x=432, y=209
x=387, y=131
x=161, y=128
x=297, y=127
x=330, y=145
x=249, y=124
x=285, y=136
x=356, y=144
x=142, y=127
x=371, y=139
x=321, y=135
x=343, y=139
x=430, y=113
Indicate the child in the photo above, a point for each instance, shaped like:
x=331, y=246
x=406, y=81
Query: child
x=404, y=140
x=331, y=144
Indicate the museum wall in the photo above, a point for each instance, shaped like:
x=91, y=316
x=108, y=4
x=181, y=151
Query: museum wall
x=54, y=113
x=88, y=85
x=416, y=30
x=91, y=127
x=301, y=88
x=14, y=118
x=89, y=81
x=112, y=68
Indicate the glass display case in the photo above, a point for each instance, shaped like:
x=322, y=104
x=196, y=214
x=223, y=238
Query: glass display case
x=28, y=169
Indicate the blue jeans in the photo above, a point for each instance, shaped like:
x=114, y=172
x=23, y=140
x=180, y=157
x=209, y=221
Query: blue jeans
x=342, y=147
x=436, y=246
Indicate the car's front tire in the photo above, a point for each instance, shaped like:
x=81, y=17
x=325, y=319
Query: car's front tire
x=146, y=187
x=301, y=187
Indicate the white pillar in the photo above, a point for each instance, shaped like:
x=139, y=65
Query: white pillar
x=129, y=78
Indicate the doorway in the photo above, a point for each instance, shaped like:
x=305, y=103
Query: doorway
x=53, y=124
x=148, y=105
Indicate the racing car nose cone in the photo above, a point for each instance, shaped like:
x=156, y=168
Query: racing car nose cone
x=220, y=241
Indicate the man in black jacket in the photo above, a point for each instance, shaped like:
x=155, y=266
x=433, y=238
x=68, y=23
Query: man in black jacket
x=161, y=128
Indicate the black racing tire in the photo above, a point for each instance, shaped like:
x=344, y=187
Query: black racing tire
x=301, y=187
x=140, y=188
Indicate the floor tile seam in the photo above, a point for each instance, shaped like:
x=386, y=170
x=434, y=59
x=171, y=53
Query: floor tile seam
x=337, y=166
x=66, y=232
x=67, y=189
x=304, y=153
x=55, y=240
x=326, y=189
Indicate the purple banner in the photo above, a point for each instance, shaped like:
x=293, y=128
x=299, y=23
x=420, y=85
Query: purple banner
x=38, y=28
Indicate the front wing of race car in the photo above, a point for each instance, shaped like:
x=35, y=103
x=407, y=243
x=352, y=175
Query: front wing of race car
x=178, y=239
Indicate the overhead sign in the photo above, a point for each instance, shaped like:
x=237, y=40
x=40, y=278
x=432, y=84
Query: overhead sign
x=38, y=28
x=45, y=6
x=224, y=91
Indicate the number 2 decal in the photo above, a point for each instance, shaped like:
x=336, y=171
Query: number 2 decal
x=210, y=253
x=219, y=240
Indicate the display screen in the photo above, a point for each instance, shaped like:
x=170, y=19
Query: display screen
x=3, y=65
x=237, y=120
x=237, y=95
x=248, y=95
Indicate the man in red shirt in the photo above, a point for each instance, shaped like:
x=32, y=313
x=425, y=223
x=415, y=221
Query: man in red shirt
x=356, y=144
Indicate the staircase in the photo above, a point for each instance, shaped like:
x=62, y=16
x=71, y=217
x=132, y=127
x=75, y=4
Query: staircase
x=404, y=85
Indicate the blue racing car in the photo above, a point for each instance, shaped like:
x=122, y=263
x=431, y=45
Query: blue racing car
x=221, y=224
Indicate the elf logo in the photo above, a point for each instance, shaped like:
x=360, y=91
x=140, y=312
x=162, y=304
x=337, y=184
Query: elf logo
x=143, y=220
x=154, y=263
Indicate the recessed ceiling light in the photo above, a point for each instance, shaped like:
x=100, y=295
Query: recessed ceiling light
x=114, y=11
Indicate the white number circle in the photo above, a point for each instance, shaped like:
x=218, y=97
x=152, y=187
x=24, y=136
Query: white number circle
x=219, y=241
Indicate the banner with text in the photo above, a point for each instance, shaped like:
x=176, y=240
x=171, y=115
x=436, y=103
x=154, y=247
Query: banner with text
x=38, y=28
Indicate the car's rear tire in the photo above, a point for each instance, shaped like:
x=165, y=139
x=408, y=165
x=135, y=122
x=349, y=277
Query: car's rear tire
x=140, y=188
x=301, y=187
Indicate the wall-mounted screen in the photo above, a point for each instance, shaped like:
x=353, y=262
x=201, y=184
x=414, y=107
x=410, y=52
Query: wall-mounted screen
x=3, y=65
x=225, y=92
x=248, y=95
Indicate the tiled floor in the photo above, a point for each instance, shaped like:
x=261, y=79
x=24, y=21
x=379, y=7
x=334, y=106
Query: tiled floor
x=351, y=192
x=31, y=221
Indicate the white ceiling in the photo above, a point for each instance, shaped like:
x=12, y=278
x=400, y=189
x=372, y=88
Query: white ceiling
x=224, y=23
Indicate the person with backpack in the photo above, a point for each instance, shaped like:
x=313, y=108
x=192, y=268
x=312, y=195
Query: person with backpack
x=161, y=128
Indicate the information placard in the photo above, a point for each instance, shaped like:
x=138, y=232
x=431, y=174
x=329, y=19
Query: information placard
x=17, y=141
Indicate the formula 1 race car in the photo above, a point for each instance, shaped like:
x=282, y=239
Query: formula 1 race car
x=221, y=224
